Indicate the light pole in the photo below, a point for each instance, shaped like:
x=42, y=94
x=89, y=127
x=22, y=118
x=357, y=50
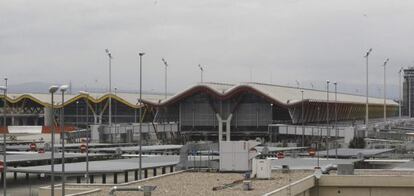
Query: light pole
x=320, y=136
x=303, y=123
x=328, y=132
x=366, y=101
x=140, y=113
x=110, y=87
x=201, y=72
x=63, y=88
x=52, y=91
x=116, y=109
x=87, y=135
x=399, y=87
x=4, y=89
x=385, y=90
x=77, y=113
x=409, y=96
x=336, y=120
x=165, y=79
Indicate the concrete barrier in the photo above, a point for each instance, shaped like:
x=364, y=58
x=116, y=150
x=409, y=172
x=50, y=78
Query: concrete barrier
x=298, y=188
x=349, y=185
x=45, y=191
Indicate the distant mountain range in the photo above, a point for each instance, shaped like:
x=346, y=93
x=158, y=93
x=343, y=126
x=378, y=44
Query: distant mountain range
x=43, y=87
x=29, y=87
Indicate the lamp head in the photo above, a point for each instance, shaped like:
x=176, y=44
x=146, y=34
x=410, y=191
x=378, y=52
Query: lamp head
x=64, y=88
x=165, y=62
x=109, y=53
x=53, y=89
x=327, y=81
x=368, y=52
x=141, y=54
x=386, y=61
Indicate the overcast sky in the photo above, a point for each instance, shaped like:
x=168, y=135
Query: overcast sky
x=235, y=40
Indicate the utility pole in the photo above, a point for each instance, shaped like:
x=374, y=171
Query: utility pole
x=140, y=113
x=303, y=122
x=87, y=137
x=63, y=88
x=110, y=87
x=201, y=70
x=399, y=87
x=87, y=134
x=52, y=91
x=409, y=96
x=366, y=103
x=320, y=137
x=328, y=132
x=165, y=79
x=385, y=90
x=336, y=120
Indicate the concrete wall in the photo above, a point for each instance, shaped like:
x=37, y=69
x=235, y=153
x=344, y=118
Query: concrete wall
x=45, y=191
x=299, y=188
x=352, y=185
x=345, y=132
x=365, y=186
x=352, y=191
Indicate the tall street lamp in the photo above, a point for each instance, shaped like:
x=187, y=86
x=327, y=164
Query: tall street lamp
x=201, y=72
x=336, y=120
x=409, y=96
x=385, y=90
x=366, y=101
x=116, y=108
x=165, y=79
x=77, y=113
x=399, y=87
x=303, y=122
x=87, y=134
x=4, y=89
x=63, y=89
x=52, y=91
x=328, y=133
x=140, y=113
x=110, y=87
x=318, y=143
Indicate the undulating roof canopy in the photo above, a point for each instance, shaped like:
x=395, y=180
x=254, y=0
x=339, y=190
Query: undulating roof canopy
x=281, y=95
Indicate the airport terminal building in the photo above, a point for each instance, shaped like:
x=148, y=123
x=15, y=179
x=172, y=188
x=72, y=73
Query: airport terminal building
x=201, y=111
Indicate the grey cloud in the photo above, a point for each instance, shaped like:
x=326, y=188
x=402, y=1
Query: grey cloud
x=58, y=41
